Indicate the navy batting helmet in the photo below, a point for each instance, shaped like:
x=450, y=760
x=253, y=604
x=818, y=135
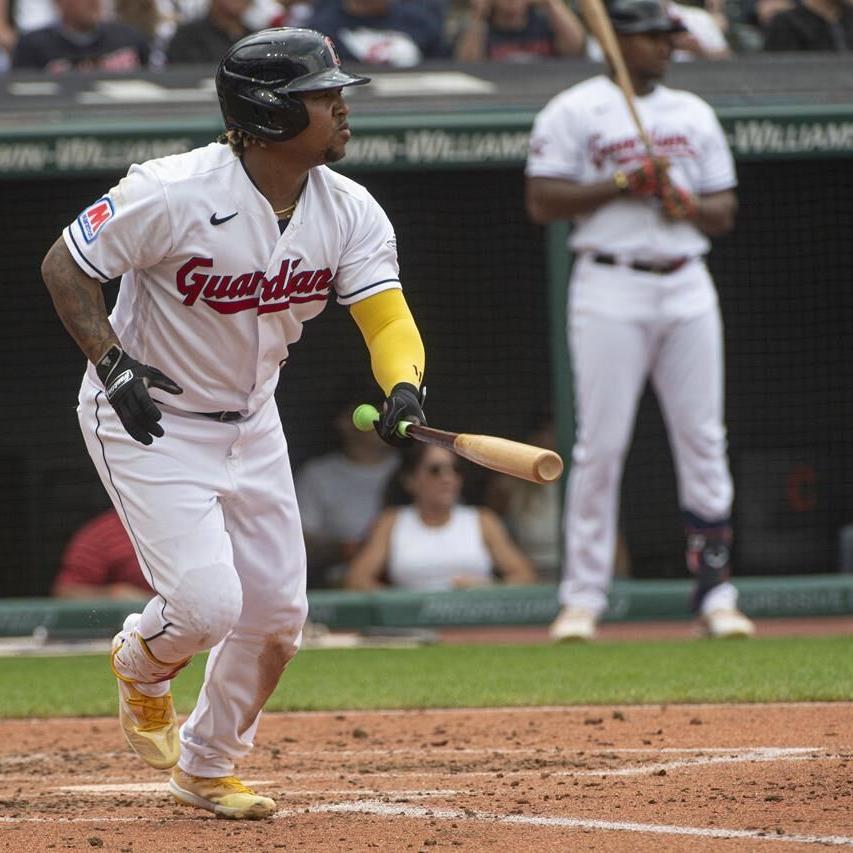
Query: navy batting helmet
x=259, y=75
x=642, y=16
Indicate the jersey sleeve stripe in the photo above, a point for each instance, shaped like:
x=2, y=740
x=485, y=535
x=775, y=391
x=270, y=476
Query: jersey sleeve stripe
x=81, y=258
x=348, y=297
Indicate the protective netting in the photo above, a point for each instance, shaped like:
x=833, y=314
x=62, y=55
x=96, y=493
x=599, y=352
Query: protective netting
x=784, y=278
x=474, y=273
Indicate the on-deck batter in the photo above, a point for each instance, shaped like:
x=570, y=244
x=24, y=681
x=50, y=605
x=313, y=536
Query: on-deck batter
x=641, y=305
x=224, y=252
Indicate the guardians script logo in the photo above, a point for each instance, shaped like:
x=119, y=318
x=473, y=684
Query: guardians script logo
x=630, y=149
x=230, y=294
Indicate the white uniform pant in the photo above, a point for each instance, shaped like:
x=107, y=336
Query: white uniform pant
x=211, y=510
x=612, y=359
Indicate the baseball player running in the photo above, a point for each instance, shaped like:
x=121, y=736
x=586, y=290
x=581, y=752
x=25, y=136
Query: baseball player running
x=224, y=252
x=641, y=305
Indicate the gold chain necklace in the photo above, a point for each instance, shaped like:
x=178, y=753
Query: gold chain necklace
x=286, y=212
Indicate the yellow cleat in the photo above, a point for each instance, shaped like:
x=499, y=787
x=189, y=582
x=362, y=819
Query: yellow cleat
x=225, y=796
x=149, y=723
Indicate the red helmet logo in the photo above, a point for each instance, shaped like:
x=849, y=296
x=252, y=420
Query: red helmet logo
x=332, y=50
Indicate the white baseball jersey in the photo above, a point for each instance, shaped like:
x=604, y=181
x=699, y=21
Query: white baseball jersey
x=586, y=133
x=212, y=293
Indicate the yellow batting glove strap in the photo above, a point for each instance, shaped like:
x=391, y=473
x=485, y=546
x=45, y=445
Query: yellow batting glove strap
x=392, y=338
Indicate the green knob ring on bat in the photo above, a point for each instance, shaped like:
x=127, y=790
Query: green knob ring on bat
x=365, y=416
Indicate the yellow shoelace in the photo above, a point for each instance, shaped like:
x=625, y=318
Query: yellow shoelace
x=235, y=785
x=231, y=783
x=155, y=711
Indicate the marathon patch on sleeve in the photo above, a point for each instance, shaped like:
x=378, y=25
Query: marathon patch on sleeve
x=94, y=217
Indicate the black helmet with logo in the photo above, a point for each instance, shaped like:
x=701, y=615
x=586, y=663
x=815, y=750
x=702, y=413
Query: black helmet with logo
x=643, y=16
x=259, y=75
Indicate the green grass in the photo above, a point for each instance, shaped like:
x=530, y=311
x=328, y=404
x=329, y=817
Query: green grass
x=760, y=670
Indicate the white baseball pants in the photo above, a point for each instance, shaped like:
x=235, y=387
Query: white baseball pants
x=612, y=359
x=211, y=510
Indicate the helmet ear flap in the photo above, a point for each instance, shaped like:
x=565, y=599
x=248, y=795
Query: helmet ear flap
x=265, y=114
x=285, y=120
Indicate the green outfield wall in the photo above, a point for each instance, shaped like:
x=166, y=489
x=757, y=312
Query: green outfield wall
x=630, y=601
x=403, y=142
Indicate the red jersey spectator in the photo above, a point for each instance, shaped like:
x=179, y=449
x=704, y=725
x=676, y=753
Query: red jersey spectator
x=99, y=562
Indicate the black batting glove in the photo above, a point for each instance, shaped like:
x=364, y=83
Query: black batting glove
x=402, y=404
x=127, y=382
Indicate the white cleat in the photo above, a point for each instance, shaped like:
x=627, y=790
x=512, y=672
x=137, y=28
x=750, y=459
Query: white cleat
x=727, y=624
x=573, y=624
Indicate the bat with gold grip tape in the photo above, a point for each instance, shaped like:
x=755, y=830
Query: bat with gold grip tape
x=526, y=461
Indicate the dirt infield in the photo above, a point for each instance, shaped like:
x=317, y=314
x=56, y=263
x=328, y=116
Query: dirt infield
x=677, y=778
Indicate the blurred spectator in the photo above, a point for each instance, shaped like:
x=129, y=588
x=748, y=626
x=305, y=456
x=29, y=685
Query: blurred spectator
x=145, y=16
x=706, y=33
x=277, y=13
x=16, y=17
x=340, y=496
x=812, y=25
x=99, y=562
x=173, y=13
x=206, y=39
x=761, y=12
x=519, y=31
x=433, y=542
x=532, y=512
x=738, y=22
x=8, y=29
x=142, y=15
x=82, y=40
x=292, y=13
x=397, y=33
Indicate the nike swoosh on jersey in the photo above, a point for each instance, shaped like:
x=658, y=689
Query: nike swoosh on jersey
x=215, y=220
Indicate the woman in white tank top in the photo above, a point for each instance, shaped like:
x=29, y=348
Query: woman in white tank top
x=433, y=542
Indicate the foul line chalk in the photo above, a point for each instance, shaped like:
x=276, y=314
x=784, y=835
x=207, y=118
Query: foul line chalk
x=383, y=809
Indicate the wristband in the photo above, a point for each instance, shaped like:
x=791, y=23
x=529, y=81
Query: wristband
x=107, y=362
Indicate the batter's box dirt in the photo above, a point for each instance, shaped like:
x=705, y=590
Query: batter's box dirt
x=677, y=778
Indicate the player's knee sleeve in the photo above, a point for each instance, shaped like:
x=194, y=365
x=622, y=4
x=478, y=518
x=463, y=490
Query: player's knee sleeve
x=708, y=554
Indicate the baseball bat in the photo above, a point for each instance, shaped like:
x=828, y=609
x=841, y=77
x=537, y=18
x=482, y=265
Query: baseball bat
x=525, y=461
x=598, y=23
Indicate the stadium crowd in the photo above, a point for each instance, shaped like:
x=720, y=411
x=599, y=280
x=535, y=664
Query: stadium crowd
x=126, y=35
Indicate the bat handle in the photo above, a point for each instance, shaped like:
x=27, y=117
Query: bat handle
x=365, y=416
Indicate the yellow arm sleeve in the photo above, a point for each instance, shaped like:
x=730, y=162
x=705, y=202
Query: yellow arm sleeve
x=392, y=338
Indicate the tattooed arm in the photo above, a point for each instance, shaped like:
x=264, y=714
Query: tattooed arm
x=79, y=302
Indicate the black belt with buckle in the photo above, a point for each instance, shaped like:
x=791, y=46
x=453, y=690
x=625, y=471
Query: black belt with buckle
x=222, y=416
x=660, y=269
